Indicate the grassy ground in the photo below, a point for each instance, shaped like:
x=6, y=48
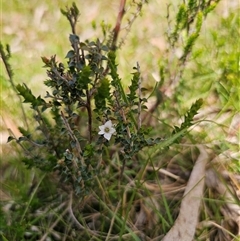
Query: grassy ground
x=34, y=29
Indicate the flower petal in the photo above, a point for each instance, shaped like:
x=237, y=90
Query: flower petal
x=108, y=124
x=101, y=127
x=101, y=132
x=107, y=136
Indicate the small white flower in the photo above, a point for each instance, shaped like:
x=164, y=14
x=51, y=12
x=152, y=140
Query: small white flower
x=107, y=130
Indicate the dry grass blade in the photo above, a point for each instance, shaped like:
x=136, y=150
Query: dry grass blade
x=4, y=196
x=185, y=225
x=231, y=209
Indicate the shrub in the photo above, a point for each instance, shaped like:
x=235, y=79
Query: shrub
x=99, y=142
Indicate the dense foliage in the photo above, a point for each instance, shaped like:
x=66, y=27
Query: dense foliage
x=113, y=156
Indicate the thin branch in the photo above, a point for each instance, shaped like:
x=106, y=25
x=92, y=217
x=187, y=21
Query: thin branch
x=131, y=21
x=89, y=110
x=73, y=137
x=10, y=74
x=116, y=31
x=117, y=27
x=77, y=223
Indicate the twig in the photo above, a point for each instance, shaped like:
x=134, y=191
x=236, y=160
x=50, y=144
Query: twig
x=115, y=31
x=118, y=24
x=131, y=21
x=77, y=223
x=10, y=76
x=73, y=137
x=89, y=110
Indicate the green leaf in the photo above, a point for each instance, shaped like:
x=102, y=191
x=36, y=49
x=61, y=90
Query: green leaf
x=68, y=155
x=89, y=150
x=134, y=87
x=23, y=131
x=113, y=67
x=192, y=4
x=74, y=39
x=104, y=48
x=181, y=18
x=199, y=22
x=10, y=138
x=26, y=93
x=102, y=94
x=116, y=81
x=22, y=138
x=74, y=9
x=188, y=118
x=70, y=54
x=210, y=8
x=28, y=162
x=4, y=239
x=166, y=143
x=189, y=44
x=84, y=77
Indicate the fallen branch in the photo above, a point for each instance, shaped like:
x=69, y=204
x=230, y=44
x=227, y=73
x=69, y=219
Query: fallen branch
x=185, y=225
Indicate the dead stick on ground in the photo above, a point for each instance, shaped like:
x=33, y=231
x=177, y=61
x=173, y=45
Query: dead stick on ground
x=185, y=226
